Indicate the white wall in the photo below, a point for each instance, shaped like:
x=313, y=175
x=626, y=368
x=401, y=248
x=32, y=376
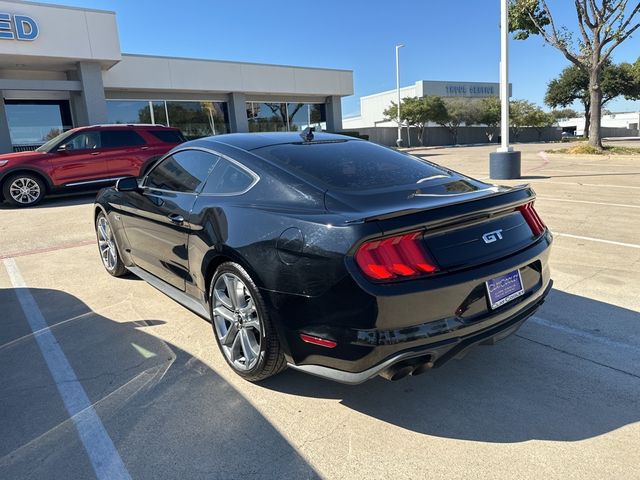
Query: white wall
x=372, y=106
x=140, y=72
x=65, y=34
x=614, y=120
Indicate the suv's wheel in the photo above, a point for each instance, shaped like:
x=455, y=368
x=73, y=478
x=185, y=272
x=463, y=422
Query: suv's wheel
x=23, y=189
x=241, y=324
x=108, y=248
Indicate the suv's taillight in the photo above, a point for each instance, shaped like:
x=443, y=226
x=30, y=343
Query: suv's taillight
x=396, y=257
x=533, y=219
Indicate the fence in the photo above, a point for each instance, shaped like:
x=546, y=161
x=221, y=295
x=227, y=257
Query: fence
x=437, y=136
x=24, y=148
x=618, y=132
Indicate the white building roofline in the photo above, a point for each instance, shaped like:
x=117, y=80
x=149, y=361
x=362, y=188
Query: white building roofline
x=387, y=92
x=234, y=62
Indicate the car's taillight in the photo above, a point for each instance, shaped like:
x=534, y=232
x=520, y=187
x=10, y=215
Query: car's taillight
x=533, y=219
x=395, y=257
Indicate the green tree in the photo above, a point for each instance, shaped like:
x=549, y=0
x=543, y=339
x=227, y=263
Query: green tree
x=489, y=115
x=520, y=113
x=418, y=112
x=459, y=111
x=602, y=25
x=564, y=114
x=573, y=85
x=538, y=119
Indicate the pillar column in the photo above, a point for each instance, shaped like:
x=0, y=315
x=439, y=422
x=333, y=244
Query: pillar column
x=237, y=107
x=333, y=107
x=5, y=137
x=90, y=105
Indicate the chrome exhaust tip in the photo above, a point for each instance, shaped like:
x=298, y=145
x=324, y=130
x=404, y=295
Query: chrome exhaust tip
x=408, y=367
x=397, y=372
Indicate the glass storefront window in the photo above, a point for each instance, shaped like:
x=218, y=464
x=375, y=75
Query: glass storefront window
x=195, y=119
x=267, y=117
x=128, y=111
x=303, y=115
x=33, y=123
x=199, y=119
x=159, y=112
x=285, y=117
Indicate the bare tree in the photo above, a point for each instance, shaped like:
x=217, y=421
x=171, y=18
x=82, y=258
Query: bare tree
x=602, y=26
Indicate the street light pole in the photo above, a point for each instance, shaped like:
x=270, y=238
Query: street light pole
x=505, y=162
x=399, y=139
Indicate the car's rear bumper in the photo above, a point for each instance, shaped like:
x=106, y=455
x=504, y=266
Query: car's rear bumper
x=435, y=354
x=433, y=319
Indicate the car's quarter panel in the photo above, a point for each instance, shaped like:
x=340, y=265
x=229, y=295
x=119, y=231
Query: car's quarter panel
x=256, y=226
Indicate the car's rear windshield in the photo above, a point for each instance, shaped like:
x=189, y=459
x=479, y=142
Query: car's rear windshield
x=358, y=165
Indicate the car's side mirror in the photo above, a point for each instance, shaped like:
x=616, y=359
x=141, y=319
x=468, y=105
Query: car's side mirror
x=127, y=184
x=63, y=148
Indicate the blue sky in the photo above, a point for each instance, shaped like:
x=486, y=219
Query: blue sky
x=445, y=40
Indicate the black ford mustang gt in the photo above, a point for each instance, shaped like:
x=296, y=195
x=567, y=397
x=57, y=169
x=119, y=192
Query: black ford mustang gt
x=328, y=254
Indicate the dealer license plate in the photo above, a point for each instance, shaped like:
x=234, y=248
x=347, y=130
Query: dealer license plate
x=504, y=288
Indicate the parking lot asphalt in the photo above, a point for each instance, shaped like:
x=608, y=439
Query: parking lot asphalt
x=560, y=399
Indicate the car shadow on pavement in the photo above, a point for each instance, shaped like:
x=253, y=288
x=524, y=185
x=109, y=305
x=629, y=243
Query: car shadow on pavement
x=515, y=391
x=168, y=414
x=62, y=200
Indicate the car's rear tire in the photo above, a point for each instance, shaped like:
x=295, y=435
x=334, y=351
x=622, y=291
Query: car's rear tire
x=24, y=189
x=241, y=325
x=108, y=248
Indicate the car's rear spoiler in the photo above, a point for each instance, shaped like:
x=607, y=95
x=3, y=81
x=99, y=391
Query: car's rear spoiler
x=520, y=193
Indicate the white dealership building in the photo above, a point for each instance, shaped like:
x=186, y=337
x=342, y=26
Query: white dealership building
x=62, y=67
x=373, y=106
x=625, y=120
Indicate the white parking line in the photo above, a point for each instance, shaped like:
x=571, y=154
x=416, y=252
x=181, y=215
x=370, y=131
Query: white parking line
x=599, y=240
x=577, y=173
x=581, y=184
x=625, y=205
x=104, y=457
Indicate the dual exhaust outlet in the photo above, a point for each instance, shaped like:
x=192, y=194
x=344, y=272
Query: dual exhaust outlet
x=413, y=366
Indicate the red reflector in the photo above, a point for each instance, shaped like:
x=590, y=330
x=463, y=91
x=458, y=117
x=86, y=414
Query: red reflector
x=532, y=218
x=323, y=342
x=395, y=257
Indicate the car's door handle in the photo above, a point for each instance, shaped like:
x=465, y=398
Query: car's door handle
x=143, y=148
x=175, y=218
x=95, y=153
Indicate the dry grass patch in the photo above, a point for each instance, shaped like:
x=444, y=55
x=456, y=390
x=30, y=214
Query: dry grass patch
x=586, y=149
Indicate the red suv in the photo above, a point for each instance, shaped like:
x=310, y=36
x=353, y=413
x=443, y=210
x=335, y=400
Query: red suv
x=85, y=157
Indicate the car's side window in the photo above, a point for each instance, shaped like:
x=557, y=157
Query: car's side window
x=121, y=138
x=84, y=141
x=184, y=171
x=228, y=179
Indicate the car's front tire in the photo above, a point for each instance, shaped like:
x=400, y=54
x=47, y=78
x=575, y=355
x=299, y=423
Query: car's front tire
x=241, y=324
x=24, y=190
x=108, y=248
